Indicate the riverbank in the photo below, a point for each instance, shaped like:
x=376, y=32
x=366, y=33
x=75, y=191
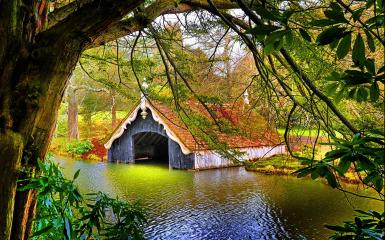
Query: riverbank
x=92, y=149
x=286, y=165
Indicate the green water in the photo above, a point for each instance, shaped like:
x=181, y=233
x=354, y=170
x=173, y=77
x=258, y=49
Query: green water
x=223, y=203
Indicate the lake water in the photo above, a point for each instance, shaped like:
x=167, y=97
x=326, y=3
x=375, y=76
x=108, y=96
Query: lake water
x=222, y=203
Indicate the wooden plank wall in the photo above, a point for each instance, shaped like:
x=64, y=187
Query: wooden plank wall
x=176, y=157
x=211, y=159
x=122, y=149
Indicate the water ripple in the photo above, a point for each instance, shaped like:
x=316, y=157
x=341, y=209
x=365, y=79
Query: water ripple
x=219, y=204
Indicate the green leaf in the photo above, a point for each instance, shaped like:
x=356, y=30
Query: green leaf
x=357, y=14
x=303, y=172
x=274, y=41
x=362, y=94
x=338, y=228
x=352, y=93
x=363, y=212
x=378, y=183
x=262, y=29
x=40, y=164
x=331, y=179
x=314, y=175
x=355, y=77
x=343, y=165
x=336, y=7
x=369, y=3
x=323, y=22
x=344, y=46
x=369, y=178
x=366, y=163
x=331, y=89
x=275, y=36
x=305, y=35
x=334, y=154
x=333, y=76
x=331, y=34
x=370, y=41
x=268, y=49
x=374, y=92
x=41, y=231
x=268, y=14
x=358, y=55
x=76, y=175
x=335, y=13
x=334, y=44
x=288, y=38
x=338, y=97
x=370, y=66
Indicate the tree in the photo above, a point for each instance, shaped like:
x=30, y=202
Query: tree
x=38, y=52
x=72, y=114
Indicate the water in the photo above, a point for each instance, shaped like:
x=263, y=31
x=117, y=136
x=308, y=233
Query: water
x=223, y=203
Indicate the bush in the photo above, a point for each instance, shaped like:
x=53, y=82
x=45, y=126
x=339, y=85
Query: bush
x=64, y=213
x=79, y=147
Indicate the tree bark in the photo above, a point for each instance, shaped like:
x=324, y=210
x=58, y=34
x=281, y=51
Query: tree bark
x=35, y=66
x=10, y=157
x=73, y=129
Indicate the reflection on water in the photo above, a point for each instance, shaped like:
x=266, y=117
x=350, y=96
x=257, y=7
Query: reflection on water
x=220, y=204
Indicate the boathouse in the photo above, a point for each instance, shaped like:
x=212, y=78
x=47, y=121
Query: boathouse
x=152, y=130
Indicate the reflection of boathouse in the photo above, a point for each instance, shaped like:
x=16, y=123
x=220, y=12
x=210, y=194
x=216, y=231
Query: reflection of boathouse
x=153, y=130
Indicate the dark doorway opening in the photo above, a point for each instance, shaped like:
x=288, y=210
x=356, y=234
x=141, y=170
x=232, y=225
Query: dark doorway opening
x=150, y=147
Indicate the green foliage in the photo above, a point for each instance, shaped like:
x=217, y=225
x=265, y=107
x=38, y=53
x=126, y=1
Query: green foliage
x=365, y=153
x=79, y=146
x=370, y=225
x=64, y=213
x=276, y=161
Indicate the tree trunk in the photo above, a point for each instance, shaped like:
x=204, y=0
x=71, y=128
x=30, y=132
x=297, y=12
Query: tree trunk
x=35, y=65
x=73, y=129
x=31, y=92
x=10, y=157
x=228, y=77
x=113, y=111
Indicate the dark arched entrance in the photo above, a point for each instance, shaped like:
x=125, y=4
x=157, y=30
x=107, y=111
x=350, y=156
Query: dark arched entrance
x=150, y=146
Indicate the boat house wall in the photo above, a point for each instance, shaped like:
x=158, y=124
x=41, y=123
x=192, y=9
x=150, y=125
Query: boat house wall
x=122, y=149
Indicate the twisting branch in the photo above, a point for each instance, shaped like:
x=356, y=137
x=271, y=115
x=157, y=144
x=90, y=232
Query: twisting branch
x=300, y=73
x=210, y=112
x=316, y=91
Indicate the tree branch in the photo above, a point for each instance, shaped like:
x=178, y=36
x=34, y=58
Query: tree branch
x=160, y=7
x=89, y=21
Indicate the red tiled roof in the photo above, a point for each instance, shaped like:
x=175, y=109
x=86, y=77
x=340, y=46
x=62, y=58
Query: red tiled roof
x=253, y=130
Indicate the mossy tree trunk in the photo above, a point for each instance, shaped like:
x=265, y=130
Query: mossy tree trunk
x=35, y=65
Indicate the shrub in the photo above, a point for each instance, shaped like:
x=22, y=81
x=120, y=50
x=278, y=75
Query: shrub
x=64, y=213
x=79, y=147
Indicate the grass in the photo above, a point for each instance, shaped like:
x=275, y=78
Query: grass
x=303, y=132
x=100, y=128
x=278, y=164
x=286, y=165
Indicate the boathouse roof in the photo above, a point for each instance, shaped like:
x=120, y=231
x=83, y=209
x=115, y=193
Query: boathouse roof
x=252, y=129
